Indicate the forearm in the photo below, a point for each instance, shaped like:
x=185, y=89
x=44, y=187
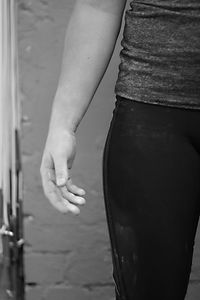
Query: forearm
x=89, y=43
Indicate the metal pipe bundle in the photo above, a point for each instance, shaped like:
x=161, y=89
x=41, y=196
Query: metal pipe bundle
x=11, y=181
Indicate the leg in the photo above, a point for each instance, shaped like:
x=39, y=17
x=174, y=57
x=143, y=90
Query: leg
x=151, y=180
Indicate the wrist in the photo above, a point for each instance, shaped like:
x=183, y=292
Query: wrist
x=62, y=119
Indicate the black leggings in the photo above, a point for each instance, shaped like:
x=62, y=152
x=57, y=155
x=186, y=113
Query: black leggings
x=151, y=183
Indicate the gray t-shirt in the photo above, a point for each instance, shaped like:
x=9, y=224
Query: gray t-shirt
x=160, y=59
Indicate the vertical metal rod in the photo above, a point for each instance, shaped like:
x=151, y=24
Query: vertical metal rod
x=11, y=178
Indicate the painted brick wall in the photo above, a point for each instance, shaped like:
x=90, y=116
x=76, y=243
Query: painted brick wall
x=66, y=257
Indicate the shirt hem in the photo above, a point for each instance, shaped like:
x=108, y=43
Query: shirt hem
x=159, y=102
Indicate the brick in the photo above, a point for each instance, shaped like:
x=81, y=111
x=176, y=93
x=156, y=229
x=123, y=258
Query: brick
x=34, y=293
x=90, y=266
x=77, y=293
x=44, y=268
x=64, y=238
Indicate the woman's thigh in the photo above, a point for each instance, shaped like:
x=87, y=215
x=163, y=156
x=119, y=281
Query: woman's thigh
x=151, y=181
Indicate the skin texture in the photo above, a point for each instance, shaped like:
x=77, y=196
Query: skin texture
x=62, y=196
x=89, y=43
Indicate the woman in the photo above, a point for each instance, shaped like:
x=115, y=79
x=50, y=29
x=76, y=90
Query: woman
x=151, y=162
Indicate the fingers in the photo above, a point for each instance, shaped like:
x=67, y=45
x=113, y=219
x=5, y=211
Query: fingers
x=62, y=198
x=71, y=197
x=62, y=176
x=74, y=189
x=53, y=193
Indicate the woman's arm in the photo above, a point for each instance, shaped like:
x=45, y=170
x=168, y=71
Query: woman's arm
x=90, y=39
x=89, y=43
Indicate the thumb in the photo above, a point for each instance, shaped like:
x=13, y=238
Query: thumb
x=61, y=170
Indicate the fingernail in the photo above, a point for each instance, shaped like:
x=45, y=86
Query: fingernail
x=60, y=181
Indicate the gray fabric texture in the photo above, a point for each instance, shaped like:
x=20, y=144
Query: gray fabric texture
x=160, y=55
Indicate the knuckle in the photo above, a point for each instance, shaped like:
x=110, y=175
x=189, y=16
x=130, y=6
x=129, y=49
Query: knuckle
x=60, y=174
x=71, y=197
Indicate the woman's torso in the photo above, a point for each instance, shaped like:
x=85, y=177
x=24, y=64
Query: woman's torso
x=160, y=59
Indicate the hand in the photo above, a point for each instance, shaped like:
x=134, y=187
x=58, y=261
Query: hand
x=58, y=157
